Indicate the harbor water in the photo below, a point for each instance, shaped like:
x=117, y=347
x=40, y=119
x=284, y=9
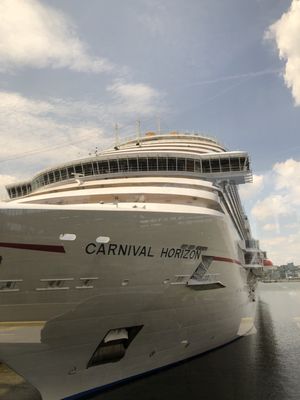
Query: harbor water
x=261, y=366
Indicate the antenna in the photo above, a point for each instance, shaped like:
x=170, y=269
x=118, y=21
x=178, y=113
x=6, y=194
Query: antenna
x=116, y=137
x=158, y=124
x=138, y=131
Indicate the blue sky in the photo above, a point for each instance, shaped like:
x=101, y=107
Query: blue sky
x=69, y=70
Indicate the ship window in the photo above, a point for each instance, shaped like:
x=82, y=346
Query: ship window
x=152, y=162
x=244, y=163
x=171, y=164
x=225, y=164
x=123, y=165
x=143, y=164
x=95, y=168
x=103, y=239
x=56, y=175
x=103, y=167
x=235, y=164
x=162, y=164
x=63, y=173
x=78, y=169
x=132, y=164
x=181, y=164
x=8, y=285
x=205, y=166
x=24, y=190
x=67, y=236
x=87, y=169
x=45, y=179
x=39, y=181
x=113, y=165
x=34, y=184
x=247, y=164
x=51, y=177
x=19, y=191
x=71, y=172
x=197, y=166
x=29, y=188
x=215, y=165
x=190, y=165
x=13, y=192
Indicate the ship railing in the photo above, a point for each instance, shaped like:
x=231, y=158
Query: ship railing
x=230, y=167
x=185, y=279
x=206, y=282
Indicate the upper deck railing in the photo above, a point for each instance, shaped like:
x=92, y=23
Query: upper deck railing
x=231, y=166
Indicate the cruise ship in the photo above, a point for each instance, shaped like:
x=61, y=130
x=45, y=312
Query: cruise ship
x=125, y=262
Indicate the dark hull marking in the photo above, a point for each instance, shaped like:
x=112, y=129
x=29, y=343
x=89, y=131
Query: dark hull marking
x=35, y=247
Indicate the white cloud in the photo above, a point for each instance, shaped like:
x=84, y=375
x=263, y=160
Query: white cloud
x=284, y=197
x=35, y=134
x=33, y=34
x=271, y=206
x=270, y=227
x=292, y=226
x=136, y=99
x=286, y=33
x=287, y=174
x=277, y=214
x=283, y=249
x=249, y=190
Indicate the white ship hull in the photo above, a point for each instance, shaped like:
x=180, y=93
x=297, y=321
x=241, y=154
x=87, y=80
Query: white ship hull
x=65, y=296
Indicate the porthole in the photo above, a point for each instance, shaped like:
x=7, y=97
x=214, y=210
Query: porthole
x=67, y=236
x=103, y=239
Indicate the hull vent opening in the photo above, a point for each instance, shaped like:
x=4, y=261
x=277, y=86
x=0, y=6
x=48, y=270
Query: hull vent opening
x=114, y=345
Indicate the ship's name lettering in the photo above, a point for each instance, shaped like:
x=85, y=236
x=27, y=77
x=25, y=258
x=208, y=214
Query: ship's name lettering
x=114, y=249
x=192, y=253
x=187, y=252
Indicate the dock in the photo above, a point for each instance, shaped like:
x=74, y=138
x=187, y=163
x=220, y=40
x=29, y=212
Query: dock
x=13, y=386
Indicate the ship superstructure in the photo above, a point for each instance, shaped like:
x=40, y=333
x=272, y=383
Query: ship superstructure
x=124, y=262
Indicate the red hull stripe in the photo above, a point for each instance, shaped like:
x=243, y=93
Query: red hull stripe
x=36, y=247
x=231, y=260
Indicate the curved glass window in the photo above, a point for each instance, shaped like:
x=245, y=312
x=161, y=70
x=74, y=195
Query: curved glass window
x=123, y=164
x=113, y=166
x=57, y=176
x=103, y=167
x=215, y=165
x=63, y=173
x=143, y=164
x=172, y=165
x=225, y=165
x=138, y=164
x=71, y=171
x=152, y=164
x=95, y=168
x=206, y=166
x=87, y=169
x=132, y=164
x=78, y=169
x=162, y=163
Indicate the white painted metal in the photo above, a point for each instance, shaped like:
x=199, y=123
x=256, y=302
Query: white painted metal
x=127, y=267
